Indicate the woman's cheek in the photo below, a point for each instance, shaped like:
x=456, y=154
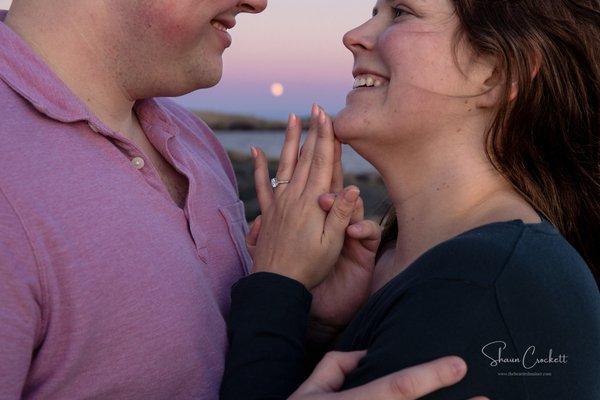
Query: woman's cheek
x=422, y=61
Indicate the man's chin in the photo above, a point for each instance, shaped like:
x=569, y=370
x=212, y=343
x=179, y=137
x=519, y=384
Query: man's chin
x=185, y=86
x=208, y=79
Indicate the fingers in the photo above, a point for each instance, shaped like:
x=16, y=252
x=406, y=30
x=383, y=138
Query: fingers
x=321, y=168
x=289, y=151
x=368, y=232
x=339, y=217
x=326, y=202
x=359, y=211
x=252, y=236
x=411, y=383
x=264, y=191
x=306, y=155
x=408, y=384
x=337, y=182
x=329, y=374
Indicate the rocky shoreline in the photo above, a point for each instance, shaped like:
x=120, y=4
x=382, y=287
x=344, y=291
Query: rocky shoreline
x=371, y=186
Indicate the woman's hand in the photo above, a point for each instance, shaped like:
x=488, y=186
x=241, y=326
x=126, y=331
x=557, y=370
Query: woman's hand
x=337, y=299
x=408, y=384
x=297, y=238
x=346, y=288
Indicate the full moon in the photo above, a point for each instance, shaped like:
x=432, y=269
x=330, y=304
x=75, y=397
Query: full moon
x=277, y=89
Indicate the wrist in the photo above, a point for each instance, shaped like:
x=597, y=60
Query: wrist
x=322, y=334
x=285, y=272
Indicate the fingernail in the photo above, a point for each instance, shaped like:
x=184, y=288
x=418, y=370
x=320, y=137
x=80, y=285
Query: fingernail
x=253, y=151
x=356, y=228
x=315, y=110
x=459, y=366
x=321, y=116
x=351, y=195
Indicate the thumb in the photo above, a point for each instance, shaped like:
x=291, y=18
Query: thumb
x=341, y=212
x=368, y=232
x=329, y=374
x=252, y=236
x=326, y=201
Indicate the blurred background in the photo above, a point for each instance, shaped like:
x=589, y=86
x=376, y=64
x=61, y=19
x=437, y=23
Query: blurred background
x=282, y=61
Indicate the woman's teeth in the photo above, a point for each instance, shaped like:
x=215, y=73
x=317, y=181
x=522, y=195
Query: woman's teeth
x=219, y=26
x=368, y=81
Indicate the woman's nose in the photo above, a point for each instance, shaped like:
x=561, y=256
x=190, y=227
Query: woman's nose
x=359, y=38
x=252, y=6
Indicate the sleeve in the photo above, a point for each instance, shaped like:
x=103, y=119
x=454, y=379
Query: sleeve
x=20, y=299
x=551, y=305
x=436, y=318
x=267, y=328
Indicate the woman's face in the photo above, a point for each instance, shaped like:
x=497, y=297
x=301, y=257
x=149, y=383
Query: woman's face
x=407, y=82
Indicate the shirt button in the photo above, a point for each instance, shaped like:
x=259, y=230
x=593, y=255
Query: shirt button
x=137, y=162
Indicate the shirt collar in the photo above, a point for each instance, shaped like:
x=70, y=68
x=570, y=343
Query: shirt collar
x=27, y=74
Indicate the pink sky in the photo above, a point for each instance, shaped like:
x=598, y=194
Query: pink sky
x=295, y=42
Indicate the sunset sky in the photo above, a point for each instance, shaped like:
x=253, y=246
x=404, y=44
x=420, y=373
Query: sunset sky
x=295, y=43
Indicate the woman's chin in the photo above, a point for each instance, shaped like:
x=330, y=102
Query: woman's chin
x=346, y=126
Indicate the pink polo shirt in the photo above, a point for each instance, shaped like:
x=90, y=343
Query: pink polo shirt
x=108, y=290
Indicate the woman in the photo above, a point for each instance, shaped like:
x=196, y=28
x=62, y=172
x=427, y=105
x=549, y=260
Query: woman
x=483, y=118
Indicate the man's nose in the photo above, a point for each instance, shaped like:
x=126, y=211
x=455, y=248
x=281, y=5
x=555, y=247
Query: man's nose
x=252, y=6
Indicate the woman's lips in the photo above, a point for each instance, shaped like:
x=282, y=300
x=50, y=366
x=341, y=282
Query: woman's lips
x=221, y=29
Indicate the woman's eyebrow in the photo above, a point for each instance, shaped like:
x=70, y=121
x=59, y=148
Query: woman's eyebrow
x=376, y=10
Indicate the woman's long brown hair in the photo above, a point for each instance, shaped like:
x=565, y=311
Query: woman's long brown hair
x=546, y=142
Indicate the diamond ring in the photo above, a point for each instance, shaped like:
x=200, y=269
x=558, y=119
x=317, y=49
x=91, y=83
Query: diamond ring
x=276, y=182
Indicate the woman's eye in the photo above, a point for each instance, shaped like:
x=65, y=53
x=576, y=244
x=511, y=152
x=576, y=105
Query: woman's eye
x=397, y=12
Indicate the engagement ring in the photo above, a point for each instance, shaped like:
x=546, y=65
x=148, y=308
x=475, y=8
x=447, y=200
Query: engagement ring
x=276, y=182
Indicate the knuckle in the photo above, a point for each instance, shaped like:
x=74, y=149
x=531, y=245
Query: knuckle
x=284, y=167
x=331, y=357
x=341, y=212
x=404, y=386
x=307, y=154
x=322, y=133
x=442, y=377
x=319, y=160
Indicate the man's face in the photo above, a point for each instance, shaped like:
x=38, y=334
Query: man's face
x=172, y=47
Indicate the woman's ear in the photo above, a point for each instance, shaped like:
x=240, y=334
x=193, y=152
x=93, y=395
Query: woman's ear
x=495, y=81
x=491, y=89
x=536, y=64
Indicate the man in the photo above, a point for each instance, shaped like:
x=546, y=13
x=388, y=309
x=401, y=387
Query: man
x=121, y=231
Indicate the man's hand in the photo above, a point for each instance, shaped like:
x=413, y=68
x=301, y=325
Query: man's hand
x=408, y=384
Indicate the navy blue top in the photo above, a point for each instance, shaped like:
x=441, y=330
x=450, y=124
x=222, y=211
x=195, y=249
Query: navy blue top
x=515, y=300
